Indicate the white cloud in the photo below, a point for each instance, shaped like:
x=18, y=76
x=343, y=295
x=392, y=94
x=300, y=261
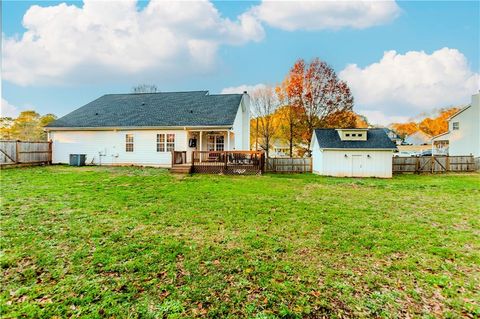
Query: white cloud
x=318, y=15
x=8, y=110
x=378, y=118
x=242, y=88
x=107, y=39
x=404, y=85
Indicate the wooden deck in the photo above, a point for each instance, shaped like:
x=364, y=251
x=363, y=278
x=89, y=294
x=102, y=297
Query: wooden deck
x=221, y=162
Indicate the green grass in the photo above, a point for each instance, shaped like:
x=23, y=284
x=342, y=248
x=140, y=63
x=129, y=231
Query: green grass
x=141, y=243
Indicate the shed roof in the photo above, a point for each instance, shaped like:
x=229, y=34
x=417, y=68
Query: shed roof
x=376, y=139
x=194, y=108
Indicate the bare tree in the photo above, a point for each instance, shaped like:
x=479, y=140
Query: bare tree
x=145, y=88
x=264, y=104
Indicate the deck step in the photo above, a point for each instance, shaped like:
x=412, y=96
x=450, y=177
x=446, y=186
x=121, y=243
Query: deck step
x=181, y=169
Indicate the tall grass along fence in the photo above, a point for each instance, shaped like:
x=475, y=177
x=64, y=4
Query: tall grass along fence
x=289, y=164
x=25, y=152
x=433, y=164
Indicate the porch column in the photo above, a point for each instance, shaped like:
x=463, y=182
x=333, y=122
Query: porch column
x=228, y=140
x=200, y=148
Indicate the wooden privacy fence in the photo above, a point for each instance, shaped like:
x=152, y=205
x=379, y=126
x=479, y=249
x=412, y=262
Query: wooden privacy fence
x=25, y=152
x=289, y=164
x=228, y=162
x=433, y=164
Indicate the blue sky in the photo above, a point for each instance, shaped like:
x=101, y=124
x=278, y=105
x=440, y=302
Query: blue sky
x=64, y=64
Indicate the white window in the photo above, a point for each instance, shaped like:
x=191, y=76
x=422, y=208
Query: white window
x=165, y=142
x=170, y=142
x=160, y=142
x=455, y=125
x=128, y=142
x=216, y=142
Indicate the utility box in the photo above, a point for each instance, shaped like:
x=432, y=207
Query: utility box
x=77, y=159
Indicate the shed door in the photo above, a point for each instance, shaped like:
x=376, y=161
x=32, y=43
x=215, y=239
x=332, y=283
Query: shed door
x=357, y=165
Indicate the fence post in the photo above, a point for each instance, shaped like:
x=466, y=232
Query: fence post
x=447, y=164
x=432, y=161
x=417, y=165
x=17, y=151
x=50, y=152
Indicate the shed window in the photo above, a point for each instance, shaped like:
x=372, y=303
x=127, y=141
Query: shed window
x=360, y=134
x=165, y=142
x=354, y=134
x=128, y=142
x=347, y=134
x=456, y=125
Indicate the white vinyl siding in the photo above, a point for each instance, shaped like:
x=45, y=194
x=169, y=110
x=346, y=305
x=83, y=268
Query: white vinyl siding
x=109, y=147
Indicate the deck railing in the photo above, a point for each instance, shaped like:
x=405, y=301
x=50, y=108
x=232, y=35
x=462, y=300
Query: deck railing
x=228, y=162
x=179, y=157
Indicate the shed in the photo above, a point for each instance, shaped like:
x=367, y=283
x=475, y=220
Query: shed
x=352, y=152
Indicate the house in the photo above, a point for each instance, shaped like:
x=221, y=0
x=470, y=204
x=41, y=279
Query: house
x=352, y=152
x=146, y=128
x=393, y=136
x=418, y=138
x=463, y=136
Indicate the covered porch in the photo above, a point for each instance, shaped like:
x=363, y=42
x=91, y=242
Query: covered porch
x=211, y=140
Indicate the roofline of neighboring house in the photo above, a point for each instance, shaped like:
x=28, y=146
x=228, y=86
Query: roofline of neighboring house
x=346, y=129
x=127, y=128
x=458, y=112
x=434, y=137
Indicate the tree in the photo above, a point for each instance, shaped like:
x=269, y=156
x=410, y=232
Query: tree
x=429, y=125
x=28, y=126
x=340, y=119
x=264, y=104
x=315, y=90
x=439, y=124
x=145, y=88
x=289, y=115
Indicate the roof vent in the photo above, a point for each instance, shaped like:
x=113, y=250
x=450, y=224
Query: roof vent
x=244, y=92
x=143, y=103
x=191, y=111
x=96, y=113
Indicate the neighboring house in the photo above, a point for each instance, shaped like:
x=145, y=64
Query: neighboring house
x=463, y=136
x=417, y=138
x=393, y=136
x=145, y=128
x=352, y=152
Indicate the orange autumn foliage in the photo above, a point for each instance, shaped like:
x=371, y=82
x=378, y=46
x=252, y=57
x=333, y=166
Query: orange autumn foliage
x=431, y=126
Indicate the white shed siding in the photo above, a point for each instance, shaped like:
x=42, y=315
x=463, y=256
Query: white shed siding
x=317, y=158
x=368, y=163
x=112, y=145
x=379, y=164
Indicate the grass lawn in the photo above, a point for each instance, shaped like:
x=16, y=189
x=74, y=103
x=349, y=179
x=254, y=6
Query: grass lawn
x=132, y=242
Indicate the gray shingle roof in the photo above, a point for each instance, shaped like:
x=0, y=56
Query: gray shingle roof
x=196, y=108
x=376, y=138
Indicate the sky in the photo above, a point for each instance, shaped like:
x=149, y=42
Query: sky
x=400, y=58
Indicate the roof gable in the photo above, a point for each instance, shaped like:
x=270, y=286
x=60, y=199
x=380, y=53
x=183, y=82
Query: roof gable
x=196, y=108
x=376, y=139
